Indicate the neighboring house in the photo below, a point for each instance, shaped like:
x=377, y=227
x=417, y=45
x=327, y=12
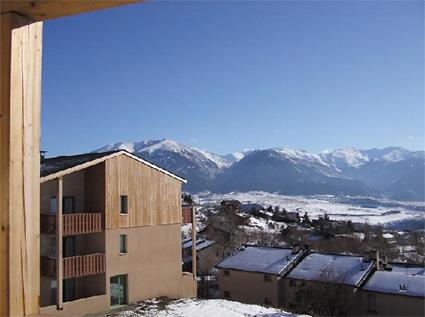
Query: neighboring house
x=398, y=292
x=206, y=257
x=346, y=272
x=254, y=274
x=110, y=233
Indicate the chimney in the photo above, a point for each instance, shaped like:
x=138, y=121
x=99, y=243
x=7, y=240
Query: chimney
x=42, y=156
x=295, y=248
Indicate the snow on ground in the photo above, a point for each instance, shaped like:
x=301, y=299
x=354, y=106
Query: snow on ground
x=195, y=308
x=316, y=206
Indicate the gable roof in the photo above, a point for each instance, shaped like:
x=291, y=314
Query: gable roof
x=332, y=268
x=260, y=260
x=55, y=167
x=407, y=269
x=396, y=283
x=200, y=244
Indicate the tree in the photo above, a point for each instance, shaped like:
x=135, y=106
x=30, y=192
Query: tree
x=306, y=219
x=331, y=298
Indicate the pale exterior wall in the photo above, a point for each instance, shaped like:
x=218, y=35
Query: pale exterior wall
x=152, y=262
x=392, y=305
x=288, y=292
x=249, y=287
x=79, y=307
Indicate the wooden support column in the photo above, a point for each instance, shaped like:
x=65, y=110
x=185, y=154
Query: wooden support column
x=20, y=54
x=59, y=245
x=193, y=242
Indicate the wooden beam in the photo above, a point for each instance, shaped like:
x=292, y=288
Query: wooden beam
x=40, y=10
x=193, y=242
x=59, y=245
x=21, y=42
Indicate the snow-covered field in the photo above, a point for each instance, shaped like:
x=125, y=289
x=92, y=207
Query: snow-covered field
x=198, y=308
x=382, y=211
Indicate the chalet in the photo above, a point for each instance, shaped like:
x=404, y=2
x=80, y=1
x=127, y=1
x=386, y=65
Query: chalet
x=206, y=257
x=110, y=233
x=346, y=272
x=397, y=291
x=254, y=274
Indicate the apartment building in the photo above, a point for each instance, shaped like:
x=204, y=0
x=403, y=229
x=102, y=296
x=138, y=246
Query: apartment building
x=255, y=274
x=110, y=233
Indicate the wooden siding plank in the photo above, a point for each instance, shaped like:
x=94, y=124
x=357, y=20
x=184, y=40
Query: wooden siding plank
x=154, y=198
x=19, y=164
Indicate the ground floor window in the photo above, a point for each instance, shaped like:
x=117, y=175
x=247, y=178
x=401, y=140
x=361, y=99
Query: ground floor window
x=118, y=290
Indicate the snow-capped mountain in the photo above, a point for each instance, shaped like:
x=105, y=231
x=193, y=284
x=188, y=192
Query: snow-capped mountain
x=391, y=170
x=286, y=171
x=394, y=171
x=198, y=166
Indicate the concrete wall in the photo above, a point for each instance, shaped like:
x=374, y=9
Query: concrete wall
x=249, y=287
x=392, y=305
x=152, y=262
x=80, y=307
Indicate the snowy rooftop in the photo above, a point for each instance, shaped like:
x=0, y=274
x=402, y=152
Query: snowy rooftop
x=260, y=259
x=342, y=269
x=396, y=283
x=407, y=269
x=200, y=244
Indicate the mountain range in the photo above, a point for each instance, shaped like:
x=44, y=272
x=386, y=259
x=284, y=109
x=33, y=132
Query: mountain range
x=393, y=172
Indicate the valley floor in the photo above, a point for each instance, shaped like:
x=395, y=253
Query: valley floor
x=198, y=307
x=356, y=209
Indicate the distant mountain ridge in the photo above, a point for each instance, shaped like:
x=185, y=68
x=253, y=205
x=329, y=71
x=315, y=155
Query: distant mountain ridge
x=392, y=171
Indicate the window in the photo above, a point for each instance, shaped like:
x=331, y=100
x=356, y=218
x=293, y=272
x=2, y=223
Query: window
x=267, y=301
x=227, y=294
x=118, y=290
x=292, y=283
x=53, y=291
x=123, y=243
x=68, y=205
x=267, y=278
x=226, y=273
x=123, y=205
x=53, y=205
x=371, y=302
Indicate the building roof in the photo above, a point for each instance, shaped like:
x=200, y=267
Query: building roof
x=200, y=244
x=260, y=259
x=407, y=269
x=54, y=167
x=396, y=283
x=332, y=268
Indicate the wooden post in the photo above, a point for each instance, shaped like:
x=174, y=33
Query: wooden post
x=59, y=246
x=21, y=42
x=193, y=242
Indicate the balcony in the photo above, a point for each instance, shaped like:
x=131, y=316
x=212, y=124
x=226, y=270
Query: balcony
x=73, y=224
x=75, y=266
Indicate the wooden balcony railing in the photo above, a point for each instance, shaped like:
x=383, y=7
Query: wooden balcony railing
x=73, y=224
x=75, y=266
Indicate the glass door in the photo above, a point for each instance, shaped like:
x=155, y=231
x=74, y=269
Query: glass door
x=118, y=290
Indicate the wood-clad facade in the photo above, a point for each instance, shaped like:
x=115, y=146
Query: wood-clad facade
x=153, y=197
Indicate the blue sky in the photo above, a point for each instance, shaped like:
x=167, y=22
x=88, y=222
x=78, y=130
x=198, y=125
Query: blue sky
x=233, y=75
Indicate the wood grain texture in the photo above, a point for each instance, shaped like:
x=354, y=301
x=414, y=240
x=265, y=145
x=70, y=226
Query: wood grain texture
x=154, y=198
x=40, y=10
x=20, y=164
